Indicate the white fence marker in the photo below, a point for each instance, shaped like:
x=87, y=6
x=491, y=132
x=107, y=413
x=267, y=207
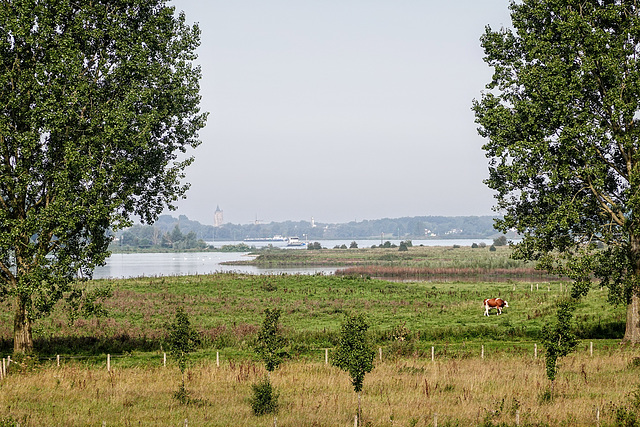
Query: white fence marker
x=482, y=352
x=535, y=351
x=218, y=359
x=326, y=356
x=108, y=363
x=433, y=351
x=591, y=348
x=164, y=359
x=58, y=359
x=380, y=353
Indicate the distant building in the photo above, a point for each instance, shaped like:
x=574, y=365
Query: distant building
x=217, y=217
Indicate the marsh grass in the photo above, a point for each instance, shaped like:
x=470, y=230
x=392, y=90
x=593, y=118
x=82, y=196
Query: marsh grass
x=402, y=391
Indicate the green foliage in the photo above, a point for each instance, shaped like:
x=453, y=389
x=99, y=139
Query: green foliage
x=492, y=248
x=98, y=99
x=270, y=342
x=183, y=338
x=314, y=246
x=354, y=353
x=500, y=241
x=85, y=302
x=564, y=154
x=353, y=245
x=559, y=339
x=403, y=247
x=265, y=398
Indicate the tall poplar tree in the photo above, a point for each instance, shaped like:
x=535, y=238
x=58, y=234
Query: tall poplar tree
x=561, y=116
x=97, y=101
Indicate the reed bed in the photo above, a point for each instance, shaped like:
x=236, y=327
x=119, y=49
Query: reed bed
x=499, y=389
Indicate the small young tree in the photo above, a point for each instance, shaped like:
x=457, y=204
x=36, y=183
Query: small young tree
x=559, y=339
x=183, y=339
x=270, y=343
x=354, y=353
x=269, y=346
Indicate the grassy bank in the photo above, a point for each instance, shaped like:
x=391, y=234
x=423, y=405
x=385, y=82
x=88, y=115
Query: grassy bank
x=417, y=263
x=408, y=391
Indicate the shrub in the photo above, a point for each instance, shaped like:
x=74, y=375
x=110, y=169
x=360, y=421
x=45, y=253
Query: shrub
x=265, y=398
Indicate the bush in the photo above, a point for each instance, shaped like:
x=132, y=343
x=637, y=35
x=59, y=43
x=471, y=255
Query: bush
x=265, y=398
x=353, y=245
x=492, y=248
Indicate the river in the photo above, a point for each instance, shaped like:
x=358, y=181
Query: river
x=181, y=264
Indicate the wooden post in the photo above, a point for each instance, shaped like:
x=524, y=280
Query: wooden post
x=598, y=416
x=517, y=417
x=380, y=353
x=326, y=356
x=591, y=348
x=435, y=420
x=535, y=351
x=108, y=363
x=58, y=359
x=8, y=361
x=433, y=351
x=532, y=287
x=537, y=287
x=4, y=368
x=164, y=359
x=218, y=359
x=1, y=371
x=482, y=352
x=355, y=421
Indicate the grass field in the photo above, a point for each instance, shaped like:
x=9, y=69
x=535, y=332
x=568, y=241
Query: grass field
x=407, y=391
x=408, y=319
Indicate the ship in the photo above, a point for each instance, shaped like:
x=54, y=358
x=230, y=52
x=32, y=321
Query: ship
x=294, y=241
x=276, y=238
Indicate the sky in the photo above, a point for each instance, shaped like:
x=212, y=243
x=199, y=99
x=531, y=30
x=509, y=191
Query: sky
x=339, y=110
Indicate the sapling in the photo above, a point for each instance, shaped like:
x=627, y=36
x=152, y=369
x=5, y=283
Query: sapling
x=559, y=339
x=269, y=345
x=183, y=339
x=354, y=353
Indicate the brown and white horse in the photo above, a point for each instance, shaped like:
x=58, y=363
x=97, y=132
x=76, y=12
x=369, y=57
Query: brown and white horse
x=496, y=303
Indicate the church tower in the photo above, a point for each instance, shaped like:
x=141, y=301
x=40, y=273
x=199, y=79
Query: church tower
x=217, y=217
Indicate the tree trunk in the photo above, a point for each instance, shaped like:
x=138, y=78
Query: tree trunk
x=632, y=331
x=22, y=336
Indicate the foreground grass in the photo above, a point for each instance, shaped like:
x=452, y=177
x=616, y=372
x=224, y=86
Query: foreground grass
x=403, y=391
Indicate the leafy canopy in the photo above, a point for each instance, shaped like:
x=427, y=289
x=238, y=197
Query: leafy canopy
x=354, y=353
x=561, y=119
x=97, y=100
x=270, y=343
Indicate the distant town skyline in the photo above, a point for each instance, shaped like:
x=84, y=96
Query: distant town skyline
x=341, y=111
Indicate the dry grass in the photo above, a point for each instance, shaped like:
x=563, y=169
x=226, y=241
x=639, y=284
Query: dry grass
x=402, y=392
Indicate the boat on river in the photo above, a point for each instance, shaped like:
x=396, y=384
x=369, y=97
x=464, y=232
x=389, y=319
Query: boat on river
x=294, y=241
x=276, y=238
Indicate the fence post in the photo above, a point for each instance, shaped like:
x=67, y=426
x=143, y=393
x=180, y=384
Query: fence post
x=326, y=356
x=482, y=352
x=355, y=421
x=432, y=353
x=218, y=359
x=380, y=353
x=58, y=359
x=164, y=359
x=435, y=420
x=1, y=371
x=532, y=287
x=591, y=348
x=108, y=363
x=517, y=417
x=4, y=368
x=535, y=351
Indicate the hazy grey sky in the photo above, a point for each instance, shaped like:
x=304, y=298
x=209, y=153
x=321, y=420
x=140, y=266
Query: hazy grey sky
x=340, y=110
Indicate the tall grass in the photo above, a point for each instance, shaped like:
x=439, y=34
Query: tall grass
x=399, y=391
